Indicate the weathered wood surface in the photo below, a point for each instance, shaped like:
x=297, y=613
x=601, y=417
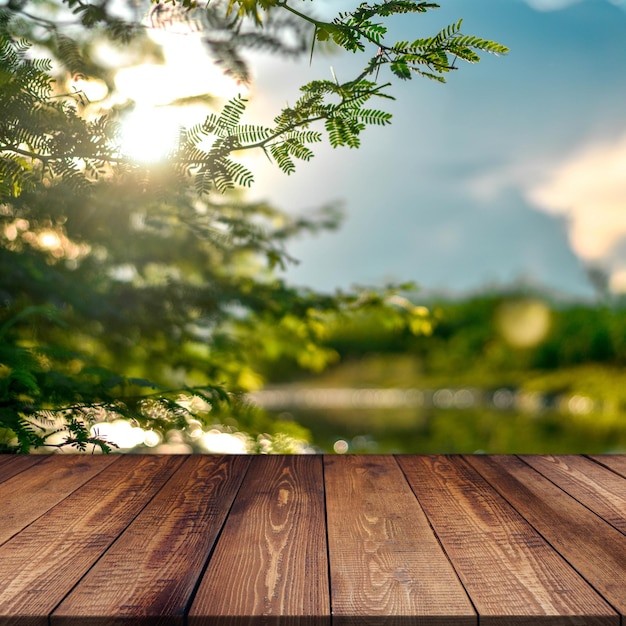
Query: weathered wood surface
x=271, y=559
x=313, y=540
x=384, y=557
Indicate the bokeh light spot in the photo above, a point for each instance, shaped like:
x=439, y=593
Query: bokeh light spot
x=523, y=323
x=340, y=446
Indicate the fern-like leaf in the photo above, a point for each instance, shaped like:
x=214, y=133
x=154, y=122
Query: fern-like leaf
x=281, y=156
x=231, y=114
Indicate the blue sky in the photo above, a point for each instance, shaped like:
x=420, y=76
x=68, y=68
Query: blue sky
x=513, y=170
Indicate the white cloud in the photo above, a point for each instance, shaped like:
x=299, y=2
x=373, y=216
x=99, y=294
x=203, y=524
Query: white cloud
x=488, y=186
x=587, y=189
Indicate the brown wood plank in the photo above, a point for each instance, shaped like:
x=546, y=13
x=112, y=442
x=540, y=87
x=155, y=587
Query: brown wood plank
x=599, y=489
x=12, y=464
x=170, y=541
x=41, y=564
x=512, y=575
x=384, y=557
x=593, y=547
x=270, y=560
x=615, y=462
x=28, y=495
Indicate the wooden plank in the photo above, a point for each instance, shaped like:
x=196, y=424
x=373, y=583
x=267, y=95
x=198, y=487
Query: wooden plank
x=512, y=575
x=593, y=547
x=12, y=464
x=46, y=484
x=170, y=541
x=269, y=565
x=40, y=565
x=384, y=557
x=615, y=462
x=599, y=489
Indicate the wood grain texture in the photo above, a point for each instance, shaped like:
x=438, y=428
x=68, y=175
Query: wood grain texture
x=615, y=462
x=269, y=565
x=138, y=540
x=598, y=488
x=596, y=549
x=41, y=564
x=47, y=483
x=149, y=577
x=12, y=464
x=512, y=575
x=384, y=558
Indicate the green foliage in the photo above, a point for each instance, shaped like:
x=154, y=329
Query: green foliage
x=346, y=119
x=31, y=392
x=431, y=57
x=42, y=136
x=53, y=129
x=434, y=53
x=466, y=345
x=227, y=36
x=150, y=294
x=567, y=390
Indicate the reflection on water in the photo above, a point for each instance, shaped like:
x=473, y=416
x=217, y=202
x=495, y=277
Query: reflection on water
x=448, y=421
x=461, y=398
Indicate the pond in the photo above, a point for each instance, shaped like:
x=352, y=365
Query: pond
x=431, y=429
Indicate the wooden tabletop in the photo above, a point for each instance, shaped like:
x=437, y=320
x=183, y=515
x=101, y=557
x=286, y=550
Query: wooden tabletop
x=312, y=540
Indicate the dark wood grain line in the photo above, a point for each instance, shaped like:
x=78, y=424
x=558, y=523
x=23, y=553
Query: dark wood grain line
x=511, y=573
x=615, y=462
x=29, y=494
x=588, y=543
x=12, y=464
x=384, y=557
x=270, y=563
x=169, y=541
x=593, y=485
x=41, y=565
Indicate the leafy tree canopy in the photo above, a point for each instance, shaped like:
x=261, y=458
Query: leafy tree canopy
x=152, y=294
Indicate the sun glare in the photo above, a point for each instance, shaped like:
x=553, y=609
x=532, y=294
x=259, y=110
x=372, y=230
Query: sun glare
x=149, y=133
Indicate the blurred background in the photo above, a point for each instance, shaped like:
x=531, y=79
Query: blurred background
x=501, y=195
x=503, y=371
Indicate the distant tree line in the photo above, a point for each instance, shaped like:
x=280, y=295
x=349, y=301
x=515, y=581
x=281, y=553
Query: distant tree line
x=464, y=336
